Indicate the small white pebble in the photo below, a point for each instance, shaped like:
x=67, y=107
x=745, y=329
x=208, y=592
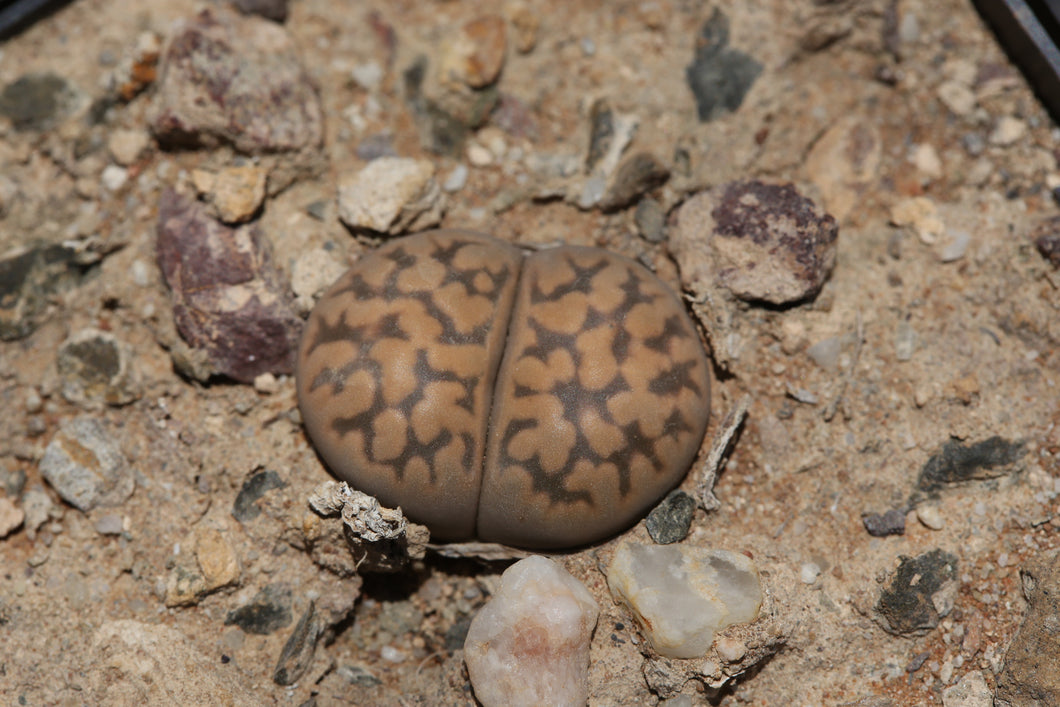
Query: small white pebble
x=34, y=403
x=478, y=155
x=809, y=572
x=392, y=655
x=456, y=179
x=979, y=509
x=927, y=161
x=110, y=524
x=946, y=672
x=266, y=383
x=929, y=515
x=368, y=76
x=114, y=177
x=141, y=273
x=730, y=649
x=1003, y=560
x=1008, y=131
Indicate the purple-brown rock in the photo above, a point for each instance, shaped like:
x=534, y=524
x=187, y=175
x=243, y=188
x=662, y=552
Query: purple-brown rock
x=275, y=10
x=762, y=242
x=236, y=79
x=1047, y=238
x=227, y=297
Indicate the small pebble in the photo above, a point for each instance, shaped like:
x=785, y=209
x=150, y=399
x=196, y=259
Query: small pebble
x=525, y=23
x=881, y=525
x=825, y=353
x=96, y=367
x=971, y=690
x=904, y=341
x=266, y=383
x=33, y=401
x=730, y=649
x=456, y=179
x=920, y=215
x=928, y=514
x=141, y=273
x=224, y=77
x=957, y=97
x=719, y=76
x=275, y=10
x=392, y=655
x=478, y=155
x=126, y=146
x=368, y=76
x=1046, y=237
x=952, y=245
x=114, y=177
x=919, y=593
x=235, y=194
x=1008, y=131
x=110, y=524
x=650, y=220
x=85, y=465
x=11, y=517
x=670, y=520
x=375, y=146
x=474, y=54
x=973, y=143
x=927, y=161
x=809, y=572
x=391, y=195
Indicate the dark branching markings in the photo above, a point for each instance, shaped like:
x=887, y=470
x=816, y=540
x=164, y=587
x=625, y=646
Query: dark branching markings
x=388, y=326
x=576, y=399
x=581, y=282
x=414, y=447
x=675, y=379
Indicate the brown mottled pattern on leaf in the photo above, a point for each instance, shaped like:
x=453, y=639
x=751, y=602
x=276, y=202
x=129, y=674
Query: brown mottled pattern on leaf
x=600, y=403
x=397, y=368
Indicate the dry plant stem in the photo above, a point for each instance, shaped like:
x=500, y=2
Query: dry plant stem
x=830, y=410
x=708, y=471
x=491, y=552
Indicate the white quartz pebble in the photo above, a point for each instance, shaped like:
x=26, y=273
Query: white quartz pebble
x=681, y=596
x=530, y=644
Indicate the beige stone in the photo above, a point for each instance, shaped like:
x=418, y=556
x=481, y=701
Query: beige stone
x=391, y=195
x=234, y=193
x=11, y=517
x=126, y=146
x=215, y=565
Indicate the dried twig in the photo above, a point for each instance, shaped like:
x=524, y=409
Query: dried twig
x=490, y=552
x=708, y=470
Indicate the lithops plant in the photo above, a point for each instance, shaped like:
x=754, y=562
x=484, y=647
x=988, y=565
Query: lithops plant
x=541, y=401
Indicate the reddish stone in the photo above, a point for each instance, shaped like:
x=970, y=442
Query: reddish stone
x=227, y=296
x=236, y=79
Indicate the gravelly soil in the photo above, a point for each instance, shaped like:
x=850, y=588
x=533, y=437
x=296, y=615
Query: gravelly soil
x=923, y=335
